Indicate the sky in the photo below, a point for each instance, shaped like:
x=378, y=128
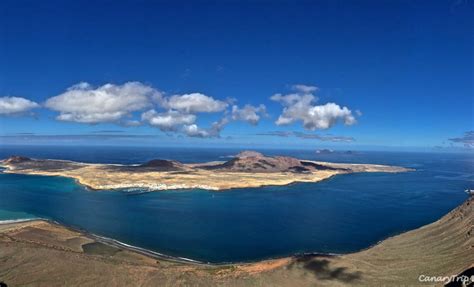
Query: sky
x=379, y=75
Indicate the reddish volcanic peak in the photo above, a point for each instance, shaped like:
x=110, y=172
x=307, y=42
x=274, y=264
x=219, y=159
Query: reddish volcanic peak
x=16, y=159
x=249, y=153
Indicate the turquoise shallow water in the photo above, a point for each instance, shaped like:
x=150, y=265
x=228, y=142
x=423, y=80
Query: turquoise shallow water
x=343, y=214
x=6, y=215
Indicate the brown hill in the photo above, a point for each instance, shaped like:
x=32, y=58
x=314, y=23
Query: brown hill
x=251, y=161
x=249, y=153
x=163, y=165
x=16, y=159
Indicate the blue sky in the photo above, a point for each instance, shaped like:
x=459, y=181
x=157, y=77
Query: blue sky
x=399, y=74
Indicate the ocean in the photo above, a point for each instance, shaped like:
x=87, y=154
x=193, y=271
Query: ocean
x=343, y=214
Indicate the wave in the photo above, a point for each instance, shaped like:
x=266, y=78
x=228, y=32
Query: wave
x=135, y=191
x=145, y=251
x=7, y=221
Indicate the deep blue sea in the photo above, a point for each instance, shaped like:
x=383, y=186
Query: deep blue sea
x=343, y=214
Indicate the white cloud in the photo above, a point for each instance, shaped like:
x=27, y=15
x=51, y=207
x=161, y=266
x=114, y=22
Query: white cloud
x=181, y=115
x=194, y=131
x=300, y=106
x=15, y=105
x=305, y=88
x=214, y=131
x=108, y=103
x=248, y=113
x=119, y=104
x=168, y=121
x=195, y=103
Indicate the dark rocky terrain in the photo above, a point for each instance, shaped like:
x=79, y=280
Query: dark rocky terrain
x=22, y=162
x=16, y=159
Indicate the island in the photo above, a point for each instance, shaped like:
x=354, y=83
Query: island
x=245, y=170
x=44, y=253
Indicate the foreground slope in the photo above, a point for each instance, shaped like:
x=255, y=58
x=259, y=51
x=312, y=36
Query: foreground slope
x=40, y=253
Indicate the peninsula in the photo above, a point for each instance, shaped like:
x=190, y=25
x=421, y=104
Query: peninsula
x=247, y=169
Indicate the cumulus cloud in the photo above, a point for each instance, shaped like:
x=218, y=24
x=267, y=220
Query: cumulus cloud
x=177, y=121
x=195, y=103
x=467, y=139
x=181, y=113
x=120, y=104
x=84, y=103
x=305, y=88
x=108, y=103
x=214, y=131
x=15, y=105
x=331, y=138
x=248, y=113
x=300, y=106
x=168, y=121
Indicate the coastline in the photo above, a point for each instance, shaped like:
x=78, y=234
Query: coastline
x=420, y=248
x=19, y=220
x=150, y=253
x=214, y=176
x=158, y=255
